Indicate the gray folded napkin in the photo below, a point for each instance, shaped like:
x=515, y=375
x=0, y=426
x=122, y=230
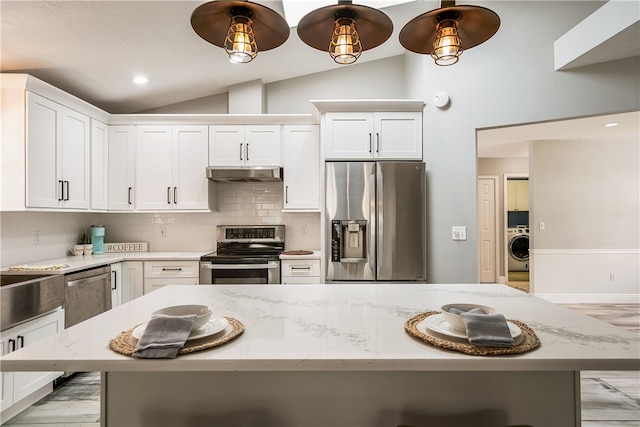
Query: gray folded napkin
x=489, y=330
x=164, y=336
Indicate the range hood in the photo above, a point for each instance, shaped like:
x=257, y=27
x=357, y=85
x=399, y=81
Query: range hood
x=252, y=174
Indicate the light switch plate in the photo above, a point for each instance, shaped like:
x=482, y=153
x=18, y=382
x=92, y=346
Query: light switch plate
x=459, y=232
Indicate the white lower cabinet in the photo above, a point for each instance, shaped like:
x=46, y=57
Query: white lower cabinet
x=116, y=284
x=21, y=389
x=162, y=273
x=300, y=271
x=126, y=282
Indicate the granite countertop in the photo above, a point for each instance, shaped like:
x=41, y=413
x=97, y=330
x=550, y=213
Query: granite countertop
x=335, y=328
x=82, y=262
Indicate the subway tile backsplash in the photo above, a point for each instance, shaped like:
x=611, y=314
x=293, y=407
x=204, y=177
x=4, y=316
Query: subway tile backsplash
x=238, y=203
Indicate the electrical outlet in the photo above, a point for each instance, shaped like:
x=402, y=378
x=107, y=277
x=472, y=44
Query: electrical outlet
x=541, y=225
x=163, y=231
x=612, y=277
x=36, y=237
x=304, y=228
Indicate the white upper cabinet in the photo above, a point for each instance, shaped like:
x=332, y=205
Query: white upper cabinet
x=301, y=161
x=373, y=135
x=190, y=153
x=243, y=146
x=518, y=195
x=121, y=168
x=170, y=164
x=58, y=155
x=99, y=165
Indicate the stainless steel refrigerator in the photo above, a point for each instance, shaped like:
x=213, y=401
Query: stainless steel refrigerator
x=376, y=221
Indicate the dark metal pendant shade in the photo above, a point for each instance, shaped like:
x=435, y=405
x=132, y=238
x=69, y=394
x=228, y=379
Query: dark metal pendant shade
x=476, y=25
x=374, y=27
x=211, y=22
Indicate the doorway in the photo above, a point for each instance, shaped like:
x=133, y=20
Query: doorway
x=517, y=235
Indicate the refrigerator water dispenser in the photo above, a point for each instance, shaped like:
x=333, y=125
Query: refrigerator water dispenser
x=348, y=241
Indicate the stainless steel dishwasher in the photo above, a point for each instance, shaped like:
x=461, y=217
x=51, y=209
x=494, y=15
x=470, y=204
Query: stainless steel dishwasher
x=87, y=293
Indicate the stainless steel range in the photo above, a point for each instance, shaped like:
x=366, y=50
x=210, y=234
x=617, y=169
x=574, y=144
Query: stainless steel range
x=246, y=254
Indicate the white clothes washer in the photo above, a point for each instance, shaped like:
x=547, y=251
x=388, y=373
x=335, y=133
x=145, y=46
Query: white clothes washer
x=518, y=246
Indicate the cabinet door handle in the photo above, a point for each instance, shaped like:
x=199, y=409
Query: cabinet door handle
x=286, y=194
x=241, y=151
x=175, y=195
x=12, y=344
x=61, y=198
x=67, y=191
x=129, y=195
x=20, y=341
x=114, y=283
x=168, y=195
x=171, y=269
x=377, y=142
x=247, y=151
x=370, y=143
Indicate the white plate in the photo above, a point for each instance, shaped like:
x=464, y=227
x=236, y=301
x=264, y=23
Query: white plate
x=213, y=326
x=438, y=324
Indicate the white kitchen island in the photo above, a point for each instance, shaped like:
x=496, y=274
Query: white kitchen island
x=338, y=355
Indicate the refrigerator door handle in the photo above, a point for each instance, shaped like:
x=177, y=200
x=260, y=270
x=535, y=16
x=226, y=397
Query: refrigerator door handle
x=371, y=252
x=380, y=220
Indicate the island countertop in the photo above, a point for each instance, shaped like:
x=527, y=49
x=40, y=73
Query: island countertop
x=334, y=328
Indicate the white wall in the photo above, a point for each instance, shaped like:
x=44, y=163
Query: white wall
x=381, y=79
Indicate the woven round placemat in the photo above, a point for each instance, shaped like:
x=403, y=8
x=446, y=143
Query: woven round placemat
x=527, y=342
x=125, y=344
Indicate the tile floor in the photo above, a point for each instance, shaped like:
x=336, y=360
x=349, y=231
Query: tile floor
x=609, y=398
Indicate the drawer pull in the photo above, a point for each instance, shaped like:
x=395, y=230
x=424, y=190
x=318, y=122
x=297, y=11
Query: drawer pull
x=301, y=268
x=171, y=269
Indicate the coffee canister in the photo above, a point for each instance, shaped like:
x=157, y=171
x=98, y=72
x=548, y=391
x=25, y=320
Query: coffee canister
x=97, y=238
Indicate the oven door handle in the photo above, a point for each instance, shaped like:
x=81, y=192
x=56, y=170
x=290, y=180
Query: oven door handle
x=268, y=265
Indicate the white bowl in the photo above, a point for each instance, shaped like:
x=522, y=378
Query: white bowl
x=455, y=320
x=202, y=312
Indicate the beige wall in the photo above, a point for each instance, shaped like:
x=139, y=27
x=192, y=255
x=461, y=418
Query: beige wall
x=587, y=193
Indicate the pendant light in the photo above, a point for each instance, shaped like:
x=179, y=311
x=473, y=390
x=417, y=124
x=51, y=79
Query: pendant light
x=241, y=28
x=446, y=32
x=345, y=30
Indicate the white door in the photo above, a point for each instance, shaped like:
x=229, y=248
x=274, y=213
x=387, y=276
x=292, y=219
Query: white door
x=398, y=135
x=301, y=159
x=263, y=145
x=153, y=170
x=226, y=145
x=75, y=146
x=190, y=158
x=487, y=229
x=99, y=165
x=121, y=167
x=25, y=383
x=6, y=378
x=116, y=284
x=44, y=131
x=349, y=135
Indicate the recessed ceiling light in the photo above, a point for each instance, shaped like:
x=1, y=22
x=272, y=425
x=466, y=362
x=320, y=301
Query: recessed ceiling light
x=610, y=125
x=140, y=80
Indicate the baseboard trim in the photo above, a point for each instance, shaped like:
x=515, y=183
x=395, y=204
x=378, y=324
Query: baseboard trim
x=591, y=298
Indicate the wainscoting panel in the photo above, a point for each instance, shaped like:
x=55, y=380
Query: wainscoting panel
x=586, y=275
